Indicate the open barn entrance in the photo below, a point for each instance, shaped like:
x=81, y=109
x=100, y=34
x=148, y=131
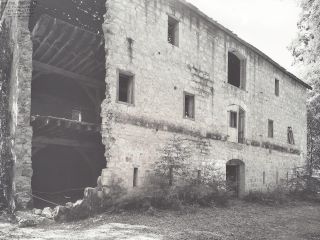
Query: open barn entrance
x=68, y=86
x=235, y=177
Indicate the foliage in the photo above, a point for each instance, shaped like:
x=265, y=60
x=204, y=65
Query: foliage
x=174, y=184
x=174, y=161
x=304, y=187
x=306, y=51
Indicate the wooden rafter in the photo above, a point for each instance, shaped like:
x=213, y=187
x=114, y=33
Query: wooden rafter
x=46, y=68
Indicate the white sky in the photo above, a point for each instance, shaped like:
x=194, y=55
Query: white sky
x=269, y=25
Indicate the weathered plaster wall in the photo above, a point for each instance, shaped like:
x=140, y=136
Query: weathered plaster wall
x=133, y=134
x=16, y=15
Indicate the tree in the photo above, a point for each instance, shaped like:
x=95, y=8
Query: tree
x=306, y=52
x=6, y=159
x=174, y=160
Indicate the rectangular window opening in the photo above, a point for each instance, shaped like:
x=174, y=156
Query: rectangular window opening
x=189, y=106
x=173, y=31
x=270, y=128
x=135, y=177
x=125, y=88
x=233, y=119
x=264, y=177
x=276, y=87
x=290, y=136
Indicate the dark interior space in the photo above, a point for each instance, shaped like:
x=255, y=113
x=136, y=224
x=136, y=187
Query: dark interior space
x=61, y=174
x=234, y=70
x=232, y=178
x=53, y=96
x=189, y=106
x=68, y=87
x=125, y=88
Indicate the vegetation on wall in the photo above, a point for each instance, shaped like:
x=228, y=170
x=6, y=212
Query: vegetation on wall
x=6, y=160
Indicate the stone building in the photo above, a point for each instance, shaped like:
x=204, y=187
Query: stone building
x=96, y=88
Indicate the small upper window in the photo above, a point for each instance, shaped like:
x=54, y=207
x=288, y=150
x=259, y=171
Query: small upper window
x=276, y=87
x=125, y=88
x=233, y=119
x=189, y=105
x=270, y=128
x=173, y=31
x=290, y=136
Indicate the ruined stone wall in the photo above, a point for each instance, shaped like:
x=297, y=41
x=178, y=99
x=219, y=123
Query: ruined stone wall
x=134, y=134
x=16, y=16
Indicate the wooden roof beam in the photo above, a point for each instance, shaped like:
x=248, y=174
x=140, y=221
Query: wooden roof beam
x=46, y=68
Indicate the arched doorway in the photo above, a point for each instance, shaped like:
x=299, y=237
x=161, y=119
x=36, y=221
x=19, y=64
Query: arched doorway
x=235, y=177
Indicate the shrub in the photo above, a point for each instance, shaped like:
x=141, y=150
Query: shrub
x=202, y=194
x=278, y=196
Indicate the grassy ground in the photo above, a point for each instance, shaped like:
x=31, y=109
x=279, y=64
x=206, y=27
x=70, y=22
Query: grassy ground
x=239, y=221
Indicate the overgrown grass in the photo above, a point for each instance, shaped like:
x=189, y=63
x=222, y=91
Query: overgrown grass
x=159, y=195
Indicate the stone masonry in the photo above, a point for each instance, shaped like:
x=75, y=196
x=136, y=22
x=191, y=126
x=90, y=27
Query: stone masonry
x=136, y=42
x=163, y=72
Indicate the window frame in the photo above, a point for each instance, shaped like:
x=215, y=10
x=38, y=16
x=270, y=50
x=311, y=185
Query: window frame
x=184, y=105
x=132, y=78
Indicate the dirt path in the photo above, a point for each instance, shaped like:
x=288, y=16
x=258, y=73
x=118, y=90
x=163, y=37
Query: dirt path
x=57, y=232
x=239, y=222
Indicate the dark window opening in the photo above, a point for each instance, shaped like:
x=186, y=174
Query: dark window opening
x=125, y=91
x=276, y=87
x=234, y=70
x=173, y=31
x=277, y=177
x=290, y=136
x=135, y=177
x=264, y=177
x=270, y=128
x=233, y=119
x=189, y=106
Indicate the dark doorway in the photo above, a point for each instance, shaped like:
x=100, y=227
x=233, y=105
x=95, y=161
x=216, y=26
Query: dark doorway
x=235, y=177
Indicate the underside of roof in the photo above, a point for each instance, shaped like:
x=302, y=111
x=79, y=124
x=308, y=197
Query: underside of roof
x=60, y=47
